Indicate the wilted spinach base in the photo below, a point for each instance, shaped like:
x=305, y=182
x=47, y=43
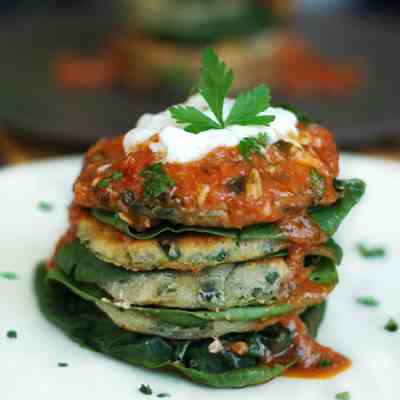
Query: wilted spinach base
x=86, y=325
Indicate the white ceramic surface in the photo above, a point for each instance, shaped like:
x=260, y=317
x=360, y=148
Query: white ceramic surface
x=28, y=365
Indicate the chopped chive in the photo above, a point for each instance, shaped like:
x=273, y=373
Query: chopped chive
x=162, y=395
x=368, y=301
x=103, y=183
x=115, y=176
x=62, y=364
x=325, y=363
x=12, y=276
x=12, y=334
x=392, y=325
x=45, y=206
x=370, y=252
x=343, y=396
x=146, y=389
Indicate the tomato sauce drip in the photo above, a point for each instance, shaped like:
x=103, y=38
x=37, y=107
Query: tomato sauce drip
x=314, y=360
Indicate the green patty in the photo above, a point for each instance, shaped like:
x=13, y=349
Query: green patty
x=80, y=320
x=260, y=282
x=187, y=251
x=85, y=275
x=174, y=323
x=225, y=286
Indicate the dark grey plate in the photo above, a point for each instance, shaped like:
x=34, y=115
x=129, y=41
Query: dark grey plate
x=38, y=110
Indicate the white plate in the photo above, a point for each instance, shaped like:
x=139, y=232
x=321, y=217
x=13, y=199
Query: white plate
x=28, y=364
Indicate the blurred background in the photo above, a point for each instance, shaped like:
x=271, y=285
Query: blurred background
x=73, y=71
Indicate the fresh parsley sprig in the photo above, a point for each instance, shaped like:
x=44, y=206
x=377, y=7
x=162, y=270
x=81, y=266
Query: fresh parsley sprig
x=214, y=85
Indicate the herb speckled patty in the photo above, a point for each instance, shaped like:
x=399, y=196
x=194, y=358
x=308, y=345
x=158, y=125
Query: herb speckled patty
x=189, y=251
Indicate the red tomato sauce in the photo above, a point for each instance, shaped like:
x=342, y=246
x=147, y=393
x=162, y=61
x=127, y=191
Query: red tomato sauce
x=221, y=189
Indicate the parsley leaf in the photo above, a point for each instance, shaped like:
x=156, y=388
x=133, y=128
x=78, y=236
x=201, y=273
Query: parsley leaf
x=370, y=252
x=325, y=363
x=253, y=145
x=198, y=122
x=156, y=181
x=103, y=183
x=163, y=395
x=12, y=334
x=343, y=396
x=146, y=389
x=215, y=81
x=368, y=301
x=116, y=175
x=248, y=105
x=392, y=325
x=45, y=206
x=62, y=364
x=12, y=276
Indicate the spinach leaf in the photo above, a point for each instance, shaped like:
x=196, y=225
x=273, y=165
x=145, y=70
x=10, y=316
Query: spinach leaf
x=117, y=223
x=313, y=318
x=76, y=260
x=236, y=378
x=328, y=218
x=86, y=325
x=324, y=272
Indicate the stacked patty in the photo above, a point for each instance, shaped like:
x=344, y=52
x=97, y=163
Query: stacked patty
x=222, y=275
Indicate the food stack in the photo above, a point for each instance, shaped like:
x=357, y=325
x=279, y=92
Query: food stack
x=202, y=240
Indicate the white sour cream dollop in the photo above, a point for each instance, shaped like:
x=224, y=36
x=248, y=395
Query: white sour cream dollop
x=178, y=146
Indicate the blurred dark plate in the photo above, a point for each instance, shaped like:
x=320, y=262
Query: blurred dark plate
x=36, y=109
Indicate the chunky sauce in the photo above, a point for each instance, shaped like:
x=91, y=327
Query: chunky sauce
x=315, y=360
x=221, y=189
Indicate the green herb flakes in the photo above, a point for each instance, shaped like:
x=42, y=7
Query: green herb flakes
x=156, y=181
x=343, y=396
x=392, y=325
x=371, y=252
x=146, y=389
x=325, y=363
x=271, y=277
x=103, y=183
x=368, y=301
x=45, y=206
x=163, y=395
x=12, y=334
x=116, y=176
x=11, y=276
x=62, y=364
x=214, y=85
x=253, y=145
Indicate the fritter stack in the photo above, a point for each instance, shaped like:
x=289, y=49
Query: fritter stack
x=156, y=283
